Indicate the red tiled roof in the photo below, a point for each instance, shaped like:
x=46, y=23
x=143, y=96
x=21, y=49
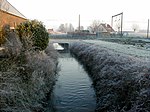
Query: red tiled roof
x=108, y=27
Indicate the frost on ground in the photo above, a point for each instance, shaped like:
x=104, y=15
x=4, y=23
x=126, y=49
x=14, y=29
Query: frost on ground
x=26, y=80
x=125, y=49
x=121, y=78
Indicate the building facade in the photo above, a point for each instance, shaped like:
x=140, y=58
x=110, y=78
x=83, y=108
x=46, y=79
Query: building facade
x=10, y=15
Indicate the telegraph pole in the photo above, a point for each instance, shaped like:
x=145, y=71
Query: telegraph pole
x=79, y=23
x=112, y=21
x=121, y=23
x=148, y=29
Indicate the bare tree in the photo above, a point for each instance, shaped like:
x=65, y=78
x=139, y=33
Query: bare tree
x=95, y=26
x=61, y=28
x=81, y=28
x=70, y=28
x=135, y=27
x=118, y=26
x=66, y=28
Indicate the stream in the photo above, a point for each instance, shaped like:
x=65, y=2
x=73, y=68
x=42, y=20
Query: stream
x=73, y=91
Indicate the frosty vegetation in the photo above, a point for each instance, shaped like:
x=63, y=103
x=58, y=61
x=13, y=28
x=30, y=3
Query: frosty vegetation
x=26, y=76
x=121, y=81
x=142, y=52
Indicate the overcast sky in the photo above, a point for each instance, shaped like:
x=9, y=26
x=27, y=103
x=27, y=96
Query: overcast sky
x=54, y=12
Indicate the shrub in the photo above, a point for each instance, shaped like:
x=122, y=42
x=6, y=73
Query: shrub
x=3, y=33
x=10, y=42
x=27, y=80
x=33, y=33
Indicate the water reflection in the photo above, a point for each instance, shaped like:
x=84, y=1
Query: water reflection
x=73, y=91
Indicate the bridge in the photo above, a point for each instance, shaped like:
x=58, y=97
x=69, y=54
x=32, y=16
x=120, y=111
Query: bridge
x=64, y=40
x=65, y=43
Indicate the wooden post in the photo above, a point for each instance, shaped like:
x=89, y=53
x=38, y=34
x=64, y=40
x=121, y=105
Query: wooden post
x=112, y=21
x=148, y=29
x=79, y=23
x=121, y=23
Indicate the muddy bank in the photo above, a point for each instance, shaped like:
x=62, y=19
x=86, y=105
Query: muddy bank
x=26, y=80
x=121, y=81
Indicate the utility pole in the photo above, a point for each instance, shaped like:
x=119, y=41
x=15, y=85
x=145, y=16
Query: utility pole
x=121, y=23
x=79, y=23
x=112, y=21
x=148, y=29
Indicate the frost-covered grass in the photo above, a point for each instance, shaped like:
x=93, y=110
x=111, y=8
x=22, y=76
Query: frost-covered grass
x=26, y=80
x=125, y=49
x=121, y=78
x=142, y=43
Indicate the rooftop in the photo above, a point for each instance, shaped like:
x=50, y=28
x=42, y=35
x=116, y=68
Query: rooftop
x=7, y=7
x=108, y=27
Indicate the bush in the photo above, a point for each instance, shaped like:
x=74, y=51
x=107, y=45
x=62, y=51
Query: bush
x=26, y=81
x=3, y=33
x=33, y=34
x=10, y=42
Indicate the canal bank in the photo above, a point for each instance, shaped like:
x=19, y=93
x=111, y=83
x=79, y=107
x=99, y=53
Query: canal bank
x=26, y=80
x=73, y=91
x=121, y=81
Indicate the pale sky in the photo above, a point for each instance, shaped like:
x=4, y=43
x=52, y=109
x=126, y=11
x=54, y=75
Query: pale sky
x=54, y=12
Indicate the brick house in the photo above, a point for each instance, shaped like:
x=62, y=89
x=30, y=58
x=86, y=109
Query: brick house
x=10, y=15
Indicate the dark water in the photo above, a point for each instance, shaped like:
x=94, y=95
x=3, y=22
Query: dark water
x=73, y=91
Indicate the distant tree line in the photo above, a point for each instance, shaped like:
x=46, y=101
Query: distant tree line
x=66, y=28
